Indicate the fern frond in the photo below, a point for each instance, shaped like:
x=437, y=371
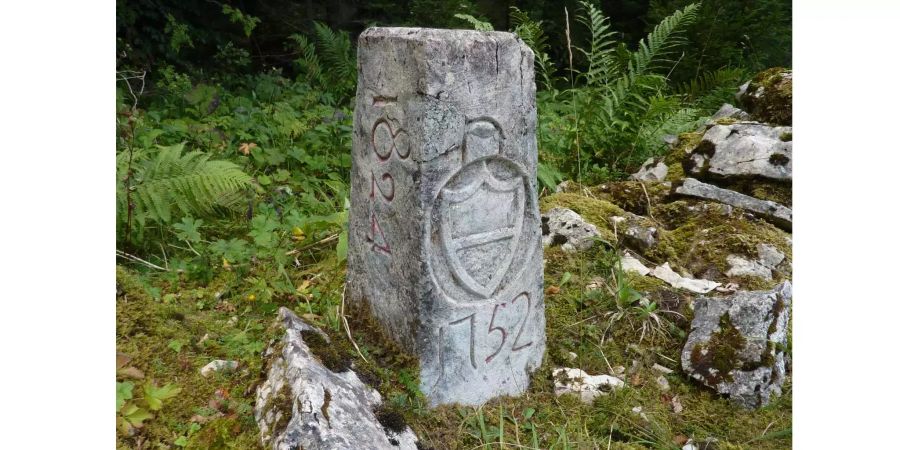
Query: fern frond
x=532, y=34
x=170, y=183
x=308, y=62
x=337, y=51
x=599, y=57
x=713, y=88
x=662, y=41
x=478, y=25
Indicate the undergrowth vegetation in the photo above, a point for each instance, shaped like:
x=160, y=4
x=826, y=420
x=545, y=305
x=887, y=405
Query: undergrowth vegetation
x=231, y=200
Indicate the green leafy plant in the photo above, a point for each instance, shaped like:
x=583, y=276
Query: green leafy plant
x=158, y=185
x=131, y=412
x=479, y=25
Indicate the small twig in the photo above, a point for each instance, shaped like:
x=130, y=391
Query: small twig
x=319, y=242
x=192, y=248
x=139, y=260
x=649, y=205
x=674, y=66
x=609, y=442
x=165, y=258
x=142, y=77
x=347, y=325
x=608, y=365
x=767, y=429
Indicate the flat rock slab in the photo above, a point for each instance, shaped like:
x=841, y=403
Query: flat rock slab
x=779, y=215
x=303, y=404
x=743, y=150
x=736, y=344
x=445, y=231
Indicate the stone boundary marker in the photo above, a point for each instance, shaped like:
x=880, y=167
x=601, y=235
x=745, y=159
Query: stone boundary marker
x=445, y=232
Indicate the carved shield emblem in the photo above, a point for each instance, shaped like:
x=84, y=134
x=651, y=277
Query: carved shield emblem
x=481, y=223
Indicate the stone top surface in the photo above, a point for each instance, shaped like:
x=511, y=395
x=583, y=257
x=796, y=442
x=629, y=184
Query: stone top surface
x=426, y=34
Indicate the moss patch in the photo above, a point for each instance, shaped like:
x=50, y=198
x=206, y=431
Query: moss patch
x=702, y=241
x=595, y=211
x=775, y=104
x=631, y=195
x=330, y=355
x=687, y=142
x=715, y=359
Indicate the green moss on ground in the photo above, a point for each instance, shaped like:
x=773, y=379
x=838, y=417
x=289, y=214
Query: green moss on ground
x=700, y=242
x=592, y=324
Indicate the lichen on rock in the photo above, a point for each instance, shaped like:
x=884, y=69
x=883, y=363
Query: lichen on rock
x=737, y=344
x=304, y=404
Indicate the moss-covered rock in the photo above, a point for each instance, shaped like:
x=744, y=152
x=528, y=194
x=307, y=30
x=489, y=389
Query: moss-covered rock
x=769, y=96
x=705, y=234
x=736, y=345
x=634, y=196
x=596, y=211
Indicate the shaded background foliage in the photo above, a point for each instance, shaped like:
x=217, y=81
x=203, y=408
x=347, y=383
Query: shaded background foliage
x=256, y=97
x=749, y=33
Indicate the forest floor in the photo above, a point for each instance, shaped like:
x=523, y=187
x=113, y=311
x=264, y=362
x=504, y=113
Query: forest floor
x=169, y=328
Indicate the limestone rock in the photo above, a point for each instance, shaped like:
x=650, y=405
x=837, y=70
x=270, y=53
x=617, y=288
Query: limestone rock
x=564, y=227
x=587, y=387
x=778, y=214
x=632, y=264
x=769, y=96
x=769, y=259
x=665, y=273
x=218, y=365
x=640, y=238
x=727, y=112
x=737, y=344
x=743, y=150
x=303, y=404
x=444, y=243
x=653, y=169
x=565, y=186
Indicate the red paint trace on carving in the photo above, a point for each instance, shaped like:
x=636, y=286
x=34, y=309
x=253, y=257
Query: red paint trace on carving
x=375, y=227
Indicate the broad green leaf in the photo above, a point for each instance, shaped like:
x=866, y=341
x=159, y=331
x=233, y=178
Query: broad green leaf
x=123, y=393
x=176, y=345
x=342, y=246
x=154, y=396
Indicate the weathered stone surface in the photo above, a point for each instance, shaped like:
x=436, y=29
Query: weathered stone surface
x=665, y=273
x=737, y=344
x=564, y=227
x=769, y=96
x=728, y=111
x=780, y=215
x=639, y=237
x=631, y=264
x=218, y=365
x=303, y=404
x=762, y=267
x=587, y=387
x=653, y=169
x=743, y=150
x=445, y=231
